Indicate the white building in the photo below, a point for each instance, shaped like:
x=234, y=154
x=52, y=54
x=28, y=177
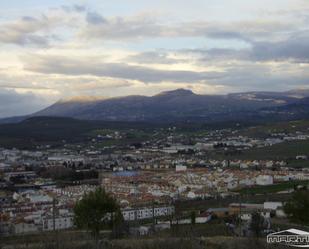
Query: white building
x=147, y=212
x=264, y=180
x=301, y=157
x=272, y=205
x=63, y=222
x=60, y=159
x=181, y=168
x=24, y=227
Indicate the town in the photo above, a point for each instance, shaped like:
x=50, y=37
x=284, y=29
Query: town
x=152, y=180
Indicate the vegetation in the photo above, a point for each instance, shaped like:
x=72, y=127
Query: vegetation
x=193, y=217
x=81, y=241
x=273, y=188
x=297, y=208
x=62, y=173
x=280, y=151
x=97, y=211
x=257, y=224
x=283, y=151
x=277, y=127
x=56, y=131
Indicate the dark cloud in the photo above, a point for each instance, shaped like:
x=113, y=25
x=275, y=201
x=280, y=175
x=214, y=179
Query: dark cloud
x=29, y=19
x=141, y=27
x=24, y=31
x=79, y=8
x=74, y=8
x=37, y=31
x=295, y=48
x=261, y=77
x=153, y=57
x=92, y=66
x=120, y=28
x=234, y=74
x=23, y=86
x=13, y=103
x=216, y=54
x=95, y=18
x=225, y=35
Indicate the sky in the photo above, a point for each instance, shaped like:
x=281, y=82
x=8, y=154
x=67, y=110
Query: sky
x=58, y=49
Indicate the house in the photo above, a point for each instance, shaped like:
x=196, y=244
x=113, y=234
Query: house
x=219, y=212
x=5, y=227
x=24, y=227
x=232, y=184
x=147, y=212
x=301, y=157
x=140, y=231
x=244, y=165
x=264, y=180
x=269, y=164
x=246, y=182
x=61, y=222
x=162, y=226
x=180, y=168
x=276, y=208
x=272, y=205
x=23, y=174
x=235, y=208
x=191, y=195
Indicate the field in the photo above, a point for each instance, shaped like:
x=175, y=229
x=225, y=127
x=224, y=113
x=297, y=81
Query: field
x=283, y=151
x=187, y=237
x=56, y=131
x=278, y=127
x=273, y=188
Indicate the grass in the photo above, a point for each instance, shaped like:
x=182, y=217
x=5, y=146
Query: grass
x=272, y=188
x=213, y=228
x=101, y=132
x=278, y=127
x=51, y=130
x=203, y=205
x=298, y=163
x=283, y=151
x=187, y=241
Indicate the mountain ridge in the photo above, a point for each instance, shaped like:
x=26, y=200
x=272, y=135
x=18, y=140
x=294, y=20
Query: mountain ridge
x=176, y=105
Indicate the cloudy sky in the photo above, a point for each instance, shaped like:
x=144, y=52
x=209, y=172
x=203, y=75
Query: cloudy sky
x=55, y=49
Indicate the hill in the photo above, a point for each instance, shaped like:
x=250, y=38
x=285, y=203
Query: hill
x=55, y=131
x=293, y=111
x=182, y=105
x=170, y=106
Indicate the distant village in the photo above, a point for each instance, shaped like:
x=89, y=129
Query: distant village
x=38, y=189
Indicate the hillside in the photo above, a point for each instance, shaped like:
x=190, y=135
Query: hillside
x=296, y=110
x=177, y=105
x=56, y=130
x=182, y=105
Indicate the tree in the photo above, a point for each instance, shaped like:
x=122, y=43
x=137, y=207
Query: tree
x=257, y=224
x=193, y=217
x=118, y=225
x=95, y=211
x=297, y=209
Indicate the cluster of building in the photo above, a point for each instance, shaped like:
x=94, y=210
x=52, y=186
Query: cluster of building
x=33, y=211
x=167, y=186
x=38, y=189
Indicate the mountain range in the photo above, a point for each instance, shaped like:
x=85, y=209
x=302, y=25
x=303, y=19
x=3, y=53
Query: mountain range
x=182, y=105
